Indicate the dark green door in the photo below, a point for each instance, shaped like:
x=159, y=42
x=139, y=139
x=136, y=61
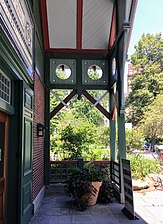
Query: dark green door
x=26, y=155
x=2, y=128
x=3, y=162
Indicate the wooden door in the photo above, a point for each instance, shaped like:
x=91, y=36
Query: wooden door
x=26, y=155
x=3, y=161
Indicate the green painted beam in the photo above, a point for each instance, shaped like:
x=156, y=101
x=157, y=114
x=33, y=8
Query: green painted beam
x=113, y=145
x=47, y=125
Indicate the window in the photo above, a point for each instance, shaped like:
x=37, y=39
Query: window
x=5, y=87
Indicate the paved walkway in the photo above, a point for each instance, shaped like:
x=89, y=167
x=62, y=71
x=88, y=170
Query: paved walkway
x=149, y=205
x=58, y=208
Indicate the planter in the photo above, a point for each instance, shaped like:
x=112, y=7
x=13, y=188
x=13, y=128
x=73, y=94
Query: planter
x=94, y=195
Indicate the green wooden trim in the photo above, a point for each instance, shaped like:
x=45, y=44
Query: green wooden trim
x=122, y=151
x=10, y=57
x=9, y=109
x=81, y=56
x=47, y=125
x=121, y=137
x=113, y=145
x=79, y=86
x=13, y=180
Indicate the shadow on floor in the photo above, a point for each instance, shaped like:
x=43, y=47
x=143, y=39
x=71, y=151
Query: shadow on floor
x=58, y=208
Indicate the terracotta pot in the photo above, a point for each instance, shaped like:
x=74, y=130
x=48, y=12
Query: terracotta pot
x=93, y=197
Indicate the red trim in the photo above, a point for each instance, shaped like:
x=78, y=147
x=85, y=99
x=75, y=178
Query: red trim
x=113, y=29
x=45, y=24
x=113, y=113
x=80, y=51
x=79, y=24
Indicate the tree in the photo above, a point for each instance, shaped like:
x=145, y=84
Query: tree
x=80, y=108
x=76, y=139
x=134, y=140
x=147, y=82
x=152, y=122
x=53, y=103
x=83, y=108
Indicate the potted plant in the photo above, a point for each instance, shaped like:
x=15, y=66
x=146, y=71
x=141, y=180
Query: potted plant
x=106, y=192
x=83, y=184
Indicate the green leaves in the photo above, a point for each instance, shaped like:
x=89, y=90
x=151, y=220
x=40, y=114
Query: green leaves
x=147, y=82
x=141, y=166
x=152, y=121
x=134, y=140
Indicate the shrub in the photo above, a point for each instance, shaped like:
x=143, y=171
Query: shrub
x=134, y=140
x=141, y=166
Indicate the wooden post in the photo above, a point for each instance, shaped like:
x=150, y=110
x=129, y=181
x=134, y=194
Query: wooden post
x=80, y=163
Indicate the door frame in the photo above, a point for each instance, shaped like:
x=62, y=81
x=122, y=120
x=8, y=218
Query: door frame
x=4, y=119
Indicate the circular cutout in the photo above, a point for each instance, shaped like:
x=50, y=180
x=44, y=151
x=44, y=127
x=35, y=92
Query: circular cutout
x=63, y=72
x=94, y=72
x=114, y=66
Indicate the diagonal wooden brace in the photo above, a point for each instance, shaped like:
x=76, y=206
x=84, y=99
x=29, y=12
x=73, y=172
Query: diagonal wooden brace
x=61, y=105
x=98, y=106
x=98, y=101
x=58, y=98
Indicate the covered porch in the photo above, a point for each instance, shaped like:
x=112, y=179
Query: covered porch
x=81, y=37
x=40, y=41
x=58, y=208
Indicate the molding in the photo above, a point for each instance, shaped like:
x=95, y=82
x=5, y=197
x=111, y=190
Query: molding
x=38, y=199
x=45, y=25
x=12, y=60
x=5, y=107
x=18, y=25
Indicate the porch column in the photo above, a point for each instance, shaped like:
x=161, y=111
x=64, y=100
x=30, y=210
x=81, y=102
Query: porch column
x=113, y=146
x=47, y=125
x=122, y=151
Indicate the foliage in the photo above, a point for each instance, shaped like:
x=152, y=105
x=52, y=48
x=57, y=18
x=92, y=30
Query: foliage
x=96, y=172
x=147, y=82
x=84, y=109
x=94, y=75
x=74, y=141
x=79, y=185
x=74, y=137
x=141, y=166
x=77, y=138
x=53, y=103
x=106, y=193
x=134, y=140
x=96, y=152
x=152, y=122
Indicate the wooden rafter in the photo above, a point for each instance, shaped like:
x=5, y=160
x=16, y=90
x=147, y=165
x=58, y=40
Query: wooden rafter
x=98, y=105
x=58, y=98
x=61, y=105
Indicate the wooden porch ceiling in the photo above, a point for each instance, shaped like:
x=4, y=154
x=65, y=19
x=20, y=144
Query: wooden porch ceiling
x=81, y=26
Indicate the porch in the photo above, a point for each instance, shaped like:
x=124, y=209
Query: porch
x=58, y=208
x=38, y=40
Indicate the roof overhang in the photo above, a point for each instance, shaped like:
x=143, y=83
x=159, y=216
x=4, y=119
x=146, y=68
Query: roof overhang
x=84, y=26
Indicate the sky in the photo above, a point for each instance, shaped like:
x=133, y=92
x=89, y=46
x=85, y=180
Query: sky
x=148, y=19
